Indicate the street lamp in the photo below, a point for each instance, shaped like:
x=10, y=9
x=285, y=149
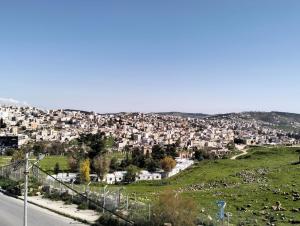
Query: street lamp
x=26, y=172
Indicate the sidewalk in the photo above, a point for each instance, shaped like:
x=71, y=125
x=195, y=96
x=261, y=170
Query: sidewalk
x=89, y=216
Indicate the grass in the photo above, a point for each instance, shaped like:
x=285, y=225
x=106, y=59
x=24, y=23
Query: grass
x=209, y=181
x=48, y=163
x=4, y=160
x=271, y=170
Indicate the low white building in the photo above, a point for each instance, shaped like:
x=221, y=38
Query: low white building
x=63, y=177
x=181, y=165
x=146, y=175
x=116, y=177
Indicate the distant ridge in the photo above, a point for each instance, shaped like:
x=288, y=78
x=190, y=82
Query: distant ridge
x=280, y=120
x=81, y=111
x=184, y=114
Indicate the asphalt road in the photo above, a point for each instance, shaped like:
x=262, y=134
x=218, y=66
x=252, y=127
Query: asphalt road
x=11, y=214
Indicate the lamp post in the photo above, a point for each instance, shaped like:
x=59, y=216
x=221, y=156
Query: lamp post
x=26, y=172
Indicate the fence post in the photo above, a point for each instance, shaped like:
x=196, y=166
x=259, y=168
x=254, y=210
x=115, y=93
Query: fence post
x=149, y=216
x=72, y=189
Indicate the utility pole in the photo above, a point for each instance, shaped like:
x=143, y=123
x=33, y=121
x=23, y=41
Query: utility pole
x=26, y=172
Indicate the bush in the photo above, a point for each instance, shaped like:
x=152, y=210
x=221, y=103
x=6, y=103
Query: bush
x=108, y=220
x=10, y=186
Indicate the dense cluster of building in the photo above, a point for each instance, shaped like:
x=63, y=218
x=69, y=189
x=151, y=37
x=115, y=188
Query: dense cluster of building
x=137, y=129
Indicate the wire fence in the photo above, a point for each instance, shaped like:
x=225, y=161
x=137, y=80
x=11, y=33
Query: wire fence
x=113, y=200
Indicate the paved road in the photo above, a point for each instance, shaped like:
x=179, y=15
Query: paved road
x=11, y=214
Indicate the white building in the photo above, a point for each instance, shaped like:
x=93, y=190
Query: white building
x=146, y=175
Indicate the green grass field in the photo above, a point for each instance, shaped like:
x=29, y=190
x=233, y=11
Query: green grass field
x=4, y=160
x=250, y=186
x=49, y=162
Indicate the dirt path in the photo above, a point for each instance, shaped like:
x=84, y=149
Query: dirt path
x=244, y=152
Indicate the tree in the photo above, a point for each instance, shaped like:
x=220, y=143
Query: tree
x=131, y=173
x=114, y=165
x=96, y=143
x=201, y=154
x=151, y=165
x=55, y=148
x=38, y=148
x=73, y=163
x=10, y=151
x=171, y=151
x=198, y=155
x=239, y=141
x=56, y=168
x=85, y=171
x=18, y=155
x=158, y=152
x=231, y=146
x=173, y=208
x=101, y=166
x=167, y=164
x=138, y=158
x=125, y=162
x=2, y=124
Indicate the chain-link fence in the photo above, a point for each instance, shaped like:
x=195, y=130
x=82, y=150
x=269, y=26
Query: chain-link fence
x=112, y=200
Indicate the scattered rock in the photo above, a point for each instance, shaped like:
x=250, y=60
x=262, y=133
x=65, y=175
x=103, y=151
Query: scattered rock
x=293, y=221
x=278, y=207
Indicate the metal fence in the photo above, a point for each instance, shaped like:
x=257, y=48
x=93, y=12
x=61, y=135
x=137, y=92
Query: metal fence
x=108, y=200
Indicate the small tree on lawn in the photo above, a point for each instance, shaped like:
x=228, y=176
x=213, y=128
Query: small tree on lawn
x=85, y=171
x=101, y=165
x=56, y=168
x=131, y=173
x=73, y=163
x=167, y=164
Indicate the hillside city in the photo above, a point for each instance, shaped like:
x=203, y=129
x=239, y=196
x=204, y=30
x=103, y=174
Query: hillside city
x=139, y=129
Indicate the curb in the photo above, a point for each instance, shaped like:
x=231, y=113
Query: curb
x=46, y=208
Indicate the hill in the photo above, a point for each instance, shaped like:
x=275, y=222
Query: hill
x=280, y=120
x=289, y=122
x=184, y=114
x=251, y=186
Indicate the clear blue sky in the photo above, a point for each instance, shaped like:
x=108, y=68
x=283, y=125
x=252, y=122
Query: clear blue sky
x=159, y=55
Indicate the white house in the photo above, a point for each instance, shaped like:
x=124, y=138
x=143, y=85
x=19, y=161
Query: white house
x=146, y=175
x=63, y=177
x=116, y=177
x=181, y=165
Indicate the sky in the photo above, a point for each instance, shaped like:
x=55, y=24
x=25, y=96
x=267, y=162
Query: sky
x=208, y=56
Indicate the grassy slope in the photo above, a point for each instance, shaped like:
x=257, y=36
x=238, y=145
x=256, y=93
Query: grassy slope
x=212, y=175
x=282, y=175
x=49, y=162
